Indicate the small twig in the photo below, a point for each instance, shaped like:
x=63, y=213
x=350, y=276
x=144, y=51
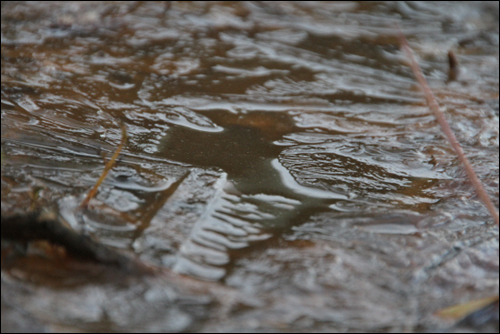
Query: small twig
x=434, y=106
x=107, y=168
x=454, y=68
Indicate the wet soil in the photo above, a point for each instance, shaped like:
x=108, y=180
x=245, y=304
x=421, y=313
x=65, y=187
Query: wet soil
x=282, y=173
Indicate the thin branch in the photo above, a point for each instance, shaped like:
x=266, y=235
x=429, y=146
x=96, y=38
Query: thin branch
x=107, y=168
x=434, y=106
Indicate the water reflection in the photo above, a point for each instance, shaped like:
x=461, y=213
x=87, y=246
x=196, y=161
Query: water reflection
x=250, y=204
x=265, y=156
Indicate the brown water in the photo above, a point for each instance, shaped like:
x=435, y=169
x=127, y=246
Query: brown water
x=281, y=150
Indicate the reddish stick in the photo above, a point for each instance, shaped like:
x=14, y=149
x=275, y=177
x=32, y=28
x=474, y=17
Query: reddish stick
x=434, y=106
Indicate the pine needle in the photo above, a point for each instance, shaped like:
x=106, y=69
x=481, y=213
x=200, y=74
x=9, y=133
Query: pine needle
x=107, y=168
x=434, y=107
x=457, y=312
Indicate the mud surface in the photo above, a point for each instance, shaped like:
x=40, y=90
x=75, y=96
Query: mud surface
x=282, y=172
